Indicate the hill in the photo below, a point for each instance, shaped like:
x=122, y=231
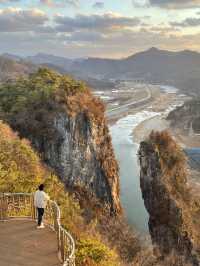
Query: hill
x=42, y=58
x=11, y=69
x=181, y=69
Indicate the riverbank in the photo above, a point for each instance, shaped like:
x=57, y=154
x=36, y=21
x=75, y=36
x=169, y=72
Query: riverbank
x=165, y=102
x=159, y=123
x=142, y=131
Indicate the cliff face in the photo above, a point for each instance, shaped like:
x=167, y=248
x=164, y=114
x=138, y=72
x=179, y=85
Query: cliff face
x=172, y=223
x=66, y=124
x=75, y=153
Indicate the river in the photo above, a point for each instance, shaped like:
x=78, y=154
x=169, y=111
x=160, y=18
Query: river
x=126, y=154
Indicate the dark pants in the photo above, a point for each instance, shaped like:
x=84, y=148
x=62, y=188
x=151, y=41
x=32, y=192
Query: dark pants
x=40, y=215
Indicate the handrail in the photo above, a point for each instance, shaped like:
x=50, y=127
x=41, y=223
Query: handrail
x=21, y=205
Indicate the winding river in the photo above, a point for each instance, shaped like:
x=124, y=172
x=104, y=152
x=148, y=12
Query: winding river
x=126, y=154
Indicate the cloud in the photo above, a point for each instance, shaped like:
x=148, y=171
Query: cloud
x=140, y=3
x=107, y=35
x=60, y=3
x=167, y=4
x=119, y=43
x=164, y=30
x=175, y=4
x=86, y=37
x=111, y=45
x=8, y=1
x=98, y=5
x=16, y=19
x=105, y=22
x=188, y=22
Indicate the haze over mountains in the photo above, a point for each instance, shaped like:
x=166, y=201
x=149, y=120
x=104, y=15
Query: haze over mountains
x=181, y=69
x=11, y=68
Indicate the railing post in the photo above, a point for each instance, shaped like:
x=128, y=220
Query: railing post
x=56, y=225
x=3, y=207
x=33, y=210
x=62, y=245
x=5, y=201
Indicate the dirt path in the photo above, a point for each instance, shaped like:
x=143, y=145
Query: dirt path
x=21, y=244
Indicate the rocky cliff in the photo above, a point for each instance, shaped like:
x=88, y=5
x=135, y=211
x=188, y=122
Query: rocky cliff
x=66, y=124
x=187, y=117
x=81, y=153
x=173, y=220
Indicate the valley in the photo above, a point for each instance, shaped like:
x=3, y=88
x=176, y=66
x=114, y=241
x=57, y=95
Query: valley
x=133, y=111
x=100, y=133
x=90, y=133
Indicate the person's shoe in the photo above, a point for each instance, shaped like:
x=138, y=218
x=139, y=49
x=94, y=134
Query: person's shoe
x=40, y=226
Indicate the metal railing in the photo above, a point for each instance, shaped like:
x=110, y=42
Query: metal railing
x=21, y=205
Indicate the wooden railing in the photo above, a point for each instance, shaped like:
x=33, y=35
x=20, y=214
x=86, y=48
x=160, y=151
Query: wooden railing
x=21, y=205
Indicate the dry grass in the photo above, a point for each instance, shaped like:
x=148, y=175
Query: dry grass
x=172, y=160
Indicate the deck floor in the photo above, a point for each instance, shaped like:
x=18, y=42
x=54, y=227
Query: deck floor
x=21, y=244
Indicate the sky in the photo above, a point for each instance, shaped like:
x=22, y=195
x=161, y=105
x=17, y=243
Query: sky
x=98, y=28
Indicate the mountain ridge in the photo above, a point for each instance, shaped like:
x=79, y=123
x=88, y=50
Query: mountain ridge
x=180, y=69
x=46, y=57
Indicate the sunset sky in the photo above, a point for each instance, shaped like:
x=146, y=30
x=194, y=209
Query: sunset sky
x=109, y=28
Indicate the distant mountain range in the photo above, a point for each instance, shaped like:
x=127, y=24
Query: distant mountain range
x=12, y=66
x=10, y=69
x=50, y=59
x=181, y=69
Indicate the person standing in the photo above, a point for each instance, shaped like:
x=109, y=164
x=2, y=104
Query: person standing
x=40, y=202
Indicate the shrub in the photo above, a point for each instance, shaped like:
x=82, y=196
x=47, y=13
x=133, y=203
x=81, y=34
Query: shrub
x=20, y=167
x=172, y=160
x=169, y=151
x=92, y=252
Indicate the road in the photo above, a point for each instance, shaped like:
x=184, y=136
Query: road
x=126, y=107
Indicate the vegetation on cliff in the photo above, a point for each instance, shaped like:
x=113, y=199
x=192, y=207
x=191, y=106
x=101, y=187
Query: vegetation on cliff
x=171, y=157
x=48, y=90
x=20, y=167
